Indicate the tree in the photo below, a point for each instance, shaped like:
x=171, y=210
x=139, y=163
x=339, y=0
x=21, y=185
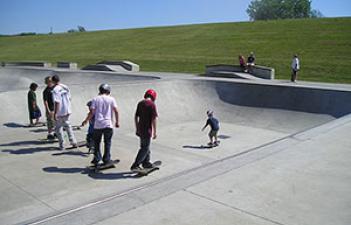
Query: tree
x=281, y=9
x=81, y=29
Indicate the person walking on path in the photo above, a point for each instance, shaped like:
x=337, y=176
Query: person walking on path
x=62, y=111
x=295, y=67
x=145, y=124
x=214, y=124
x=103, y=107
x=34, y=110
x=49, y=108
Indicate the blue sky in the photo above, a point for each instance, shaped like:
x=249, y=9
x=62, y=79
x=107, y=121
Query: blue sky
x=39, y=15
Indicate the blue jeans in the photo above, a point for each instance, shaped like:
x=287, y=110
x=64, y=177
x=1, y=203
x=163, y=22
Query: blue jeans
x=97, y=136
x=143, y=156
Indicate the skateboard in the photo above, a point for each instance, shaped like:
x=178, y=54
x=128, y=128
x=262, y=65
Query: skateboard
x=100, y=167
x=79, y=144
x=147, y=171
x=210, y=146
x=48, y=140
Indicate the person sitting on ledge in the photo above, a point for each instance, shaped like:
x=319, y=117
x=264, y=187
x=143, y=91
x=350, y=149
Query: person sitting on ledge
x=251, y=61
x=242, y=63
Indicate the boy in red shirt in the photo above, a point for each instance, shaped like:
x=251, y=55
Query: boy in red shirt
x=145, y=124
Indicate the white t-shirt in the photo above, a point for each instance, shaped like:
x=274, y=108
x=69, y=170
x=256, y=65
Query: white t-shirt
x=295, y=64
x=61, y=95
x=103, y=106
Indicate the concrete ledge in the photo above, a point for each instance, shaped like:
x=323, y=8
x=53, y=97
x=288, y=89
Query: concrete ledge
x=116, y=66
x=222, y=70
x=34, y=63
x=69, y=65
x=263, y=72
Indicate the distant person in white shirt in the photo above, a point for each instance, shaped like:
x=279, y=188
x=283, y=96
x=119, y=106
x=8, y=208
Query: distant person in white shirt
x=62, y=110
x=295, y=66
x=104, y=108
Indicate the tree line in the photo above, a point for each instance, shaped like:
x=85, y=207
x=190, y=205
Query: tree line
x=281, y=9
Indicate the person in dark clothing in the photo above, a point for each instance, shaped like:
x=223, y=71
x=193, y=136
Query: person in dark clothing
x=33, y=108
x=214, y=124
x=145, y=124
x=49, y=108
x=251, y=61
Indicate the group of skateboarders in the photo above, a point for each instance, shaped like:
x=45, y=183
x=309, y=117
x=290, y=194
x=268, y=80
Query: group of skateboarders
x=103, y=117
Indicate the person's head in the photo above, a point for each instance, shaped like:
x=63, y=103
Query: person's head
x=55, y=79
x=209, y=113
x=104, y=89
x=151, y=94
x=89, y=104
x=48, y=81
x=251, y=53
x=33, y=86
x=295, y=55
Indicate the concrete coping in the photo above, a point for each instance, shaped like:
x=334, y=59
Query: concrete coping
x=256, y=70
x=28, y=63
x=69, y=65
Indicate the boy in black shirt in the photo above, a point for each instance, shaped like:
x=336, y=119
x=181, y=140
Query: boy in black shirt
x=214, y=124
x=49, y=107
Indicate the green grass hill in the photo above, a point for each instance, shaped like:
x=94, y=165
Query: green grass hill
x=323, y=45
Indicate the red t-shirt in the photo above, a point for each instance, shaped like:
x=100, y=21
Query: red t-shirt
x=147, y=112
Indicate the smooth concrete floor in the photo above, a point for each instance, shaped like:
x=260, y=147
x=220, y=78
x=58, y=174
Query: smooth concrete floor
x=272, y=167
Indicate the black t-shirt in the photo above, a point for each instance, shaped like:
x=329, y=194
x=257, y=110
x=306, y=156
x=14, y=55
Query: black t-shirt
x=213, y=122
x=146, y=111
x=47, y=96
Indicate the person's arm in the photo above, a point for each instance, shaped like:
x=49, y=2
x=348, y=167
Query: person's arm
x=207, y=122
x=115, y=110
x=57, y=105
x=136, y=122
x=154, y=126
x=89, y=117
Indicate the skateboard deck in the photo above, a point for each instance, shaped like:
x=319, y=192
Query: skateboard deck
x=100, y=167
x=48, y=140
x=147, y=171
x=79, y=144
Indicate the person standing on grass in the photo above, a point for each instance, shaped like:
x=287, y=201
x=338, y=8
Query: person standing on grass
x=62, y=111
x=295, y=67
x=34, y=110
x=49, y=108
x=145, y=125
x=103, y=108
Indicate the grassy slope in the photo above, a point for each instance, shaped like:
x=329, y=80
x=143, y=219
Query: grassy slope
x=324, y=47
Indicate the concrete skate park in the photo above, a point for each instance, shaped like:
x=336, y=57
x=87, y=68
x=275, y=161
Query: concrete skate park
x=284, y=156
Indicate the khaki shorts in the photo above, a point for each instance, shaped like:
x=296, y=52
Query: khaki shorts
x=213, y=133
x=50, y=121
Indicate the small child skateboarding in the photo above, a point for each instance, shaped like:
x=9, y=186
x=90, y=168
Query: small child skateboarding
x=49, y=108
x=34, y=111
x=89, y=138
x=214, y=124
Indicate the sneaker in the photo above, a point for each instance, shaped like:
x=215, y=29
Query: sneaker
x=61, y=148
x=50, y=137
x=136, y=169
x=148, y=166
x=74, y=145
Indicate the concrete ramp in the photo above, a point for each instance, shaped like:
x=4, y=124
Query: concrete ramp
x=42, y=185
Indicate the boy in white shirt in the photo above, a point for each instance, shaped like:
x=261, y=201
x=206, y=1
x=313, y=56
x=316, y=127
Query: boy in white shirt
x=103, y=108
x=62, y=110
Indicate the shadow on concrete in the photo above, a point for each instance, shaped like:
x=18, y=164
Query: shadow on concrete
x=54, y=169
x=40, y=130
x=91, y=174
x=204, y=147
x=25, y=151
x=13, y=125
x=72, y=153
x=223, y=136
x=19, y=143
